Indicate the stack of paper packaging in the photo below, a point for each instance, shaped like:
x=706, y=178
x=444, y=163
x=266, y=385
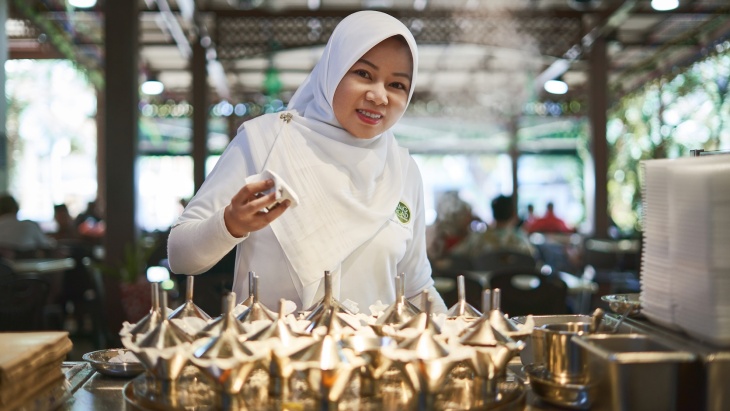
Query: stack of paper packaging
x=685, y=274
x=30, y=368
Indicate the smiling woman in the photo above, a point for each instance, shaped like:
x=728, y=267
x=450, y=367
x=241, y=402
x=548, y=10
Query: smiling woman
x=361, y=215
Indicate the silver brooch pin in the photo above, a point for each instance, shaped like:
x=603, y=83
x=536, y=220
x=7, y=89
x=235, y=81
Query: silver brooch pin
x=286, y=117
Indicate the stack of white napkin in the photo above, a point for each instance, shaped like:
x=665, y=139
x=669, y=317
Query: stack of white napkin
x=686, y=259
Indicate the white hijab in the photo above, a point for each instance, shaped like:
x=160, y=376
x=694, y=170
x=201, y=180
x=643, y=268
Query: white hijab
x=352, y=38
x=348, y=187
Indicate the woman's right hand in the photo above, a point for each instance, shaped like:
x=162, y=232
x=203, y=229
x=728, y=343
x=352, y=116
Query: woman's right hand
x=247, y=211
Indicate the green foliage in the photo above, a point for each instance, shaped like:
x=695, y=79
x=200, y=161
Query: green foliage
x=133, y=264
x=665, y=119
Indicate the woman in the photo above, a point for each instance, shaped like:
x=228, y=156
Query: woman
x=360, y=213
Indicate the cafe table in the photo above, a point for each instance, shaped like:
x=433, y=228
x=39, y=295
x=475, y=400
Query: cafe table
x=29, y=266
x=581, y=288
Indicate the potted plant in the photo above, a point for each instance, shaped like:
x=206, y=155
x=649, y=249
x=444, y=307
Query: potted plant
x=130, y=274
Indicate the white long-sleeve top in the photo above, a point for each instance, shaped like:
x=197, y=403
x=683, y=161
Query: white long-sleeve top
x=200, y=239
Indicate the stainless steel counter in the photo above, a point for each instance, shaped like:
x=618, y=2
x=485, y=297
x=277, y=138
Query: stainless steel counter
x=90, y=390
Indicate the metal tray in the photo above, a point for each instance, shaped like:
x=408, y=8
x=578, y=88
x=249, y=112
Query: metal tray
x=639, y=372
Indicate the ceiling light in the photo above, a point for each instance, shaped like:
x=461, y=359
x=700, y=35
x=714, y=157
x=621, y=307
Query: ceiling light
x=82, y=4
x=556, y=86
x=152, y=86
x=664, y=5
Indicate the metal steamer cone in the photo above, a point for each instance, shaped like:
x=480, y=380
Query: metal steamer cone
x=328, y=298
x=412, y=307
x=325, y=312
x=371, y=350
x=400, y=312
x=424, y=344
x=164, y=352
x=430, y=363
x=249, y=300
x=491, y=353
x=330, y=370
x=504, y=325
x=227, y=361
x=481, y=333
x=152, y=319
x=424, y=319
x=256, y=311
x=188, y=308
x=279, y=329
x=226, y=321
x=462, y=308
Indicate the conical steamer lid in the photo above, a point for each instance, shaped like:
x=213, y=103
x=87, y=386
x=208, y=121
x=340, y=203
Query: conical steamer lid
x=328, y=366
x=188, y=309
x=401, y=311
x=249, y=300
x=326, y=312
x=503, y=325
x=462, y=308
x=226, y=321
x=256, y=311
x=164, y=350
x=219, y=345
x=326, y=351
x=328, y=299
x=149, y=321
x=224, y=358
x=424, y=319
x=424, y=344
x=279, y=329
x=481, y=333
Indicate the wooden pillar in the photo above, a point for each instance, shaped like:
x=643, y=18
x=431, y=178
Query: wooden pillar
x=200, y=113
x=121, y=97
x=101, y=182
x=514, y=155
x=598, y=97
x=4, y=165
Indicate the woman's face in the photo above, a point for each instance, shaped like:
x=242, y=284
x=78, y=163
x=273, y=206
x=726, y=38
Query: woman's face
x=373, y=94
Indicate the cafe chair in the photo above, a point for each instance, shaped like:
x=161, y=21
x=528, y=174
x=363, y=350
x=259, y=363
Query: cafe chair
x=493, y=260
x=6, y=272
x=529, y=291
x=22, y=301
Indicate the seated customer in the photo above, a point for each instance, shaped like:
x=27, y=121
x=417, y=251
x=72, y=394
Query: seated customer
x=447, y=239
x=549, y=223
x=20, y=238
x=502, y=234
x=65, y=226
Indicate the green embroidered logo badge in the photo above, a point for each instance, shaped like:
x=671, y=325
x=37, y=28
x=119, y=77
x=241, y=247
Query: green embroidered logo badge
x=403, y=213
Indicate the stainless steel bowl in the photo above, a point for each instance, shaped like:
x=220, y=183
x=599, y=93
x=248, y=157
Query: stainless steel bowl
x=573, y=396
x=621, y=303
x=102, y=362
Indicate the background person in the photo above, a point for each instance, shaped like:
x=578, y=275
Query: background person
x=549, y=223
x=20, y=238
x=448, y=235
x=361, y=214
x=503, y=233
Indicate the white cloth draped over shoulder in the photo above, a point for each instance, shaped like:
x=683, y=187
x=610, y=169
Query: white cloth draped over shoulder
x=342, y=204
